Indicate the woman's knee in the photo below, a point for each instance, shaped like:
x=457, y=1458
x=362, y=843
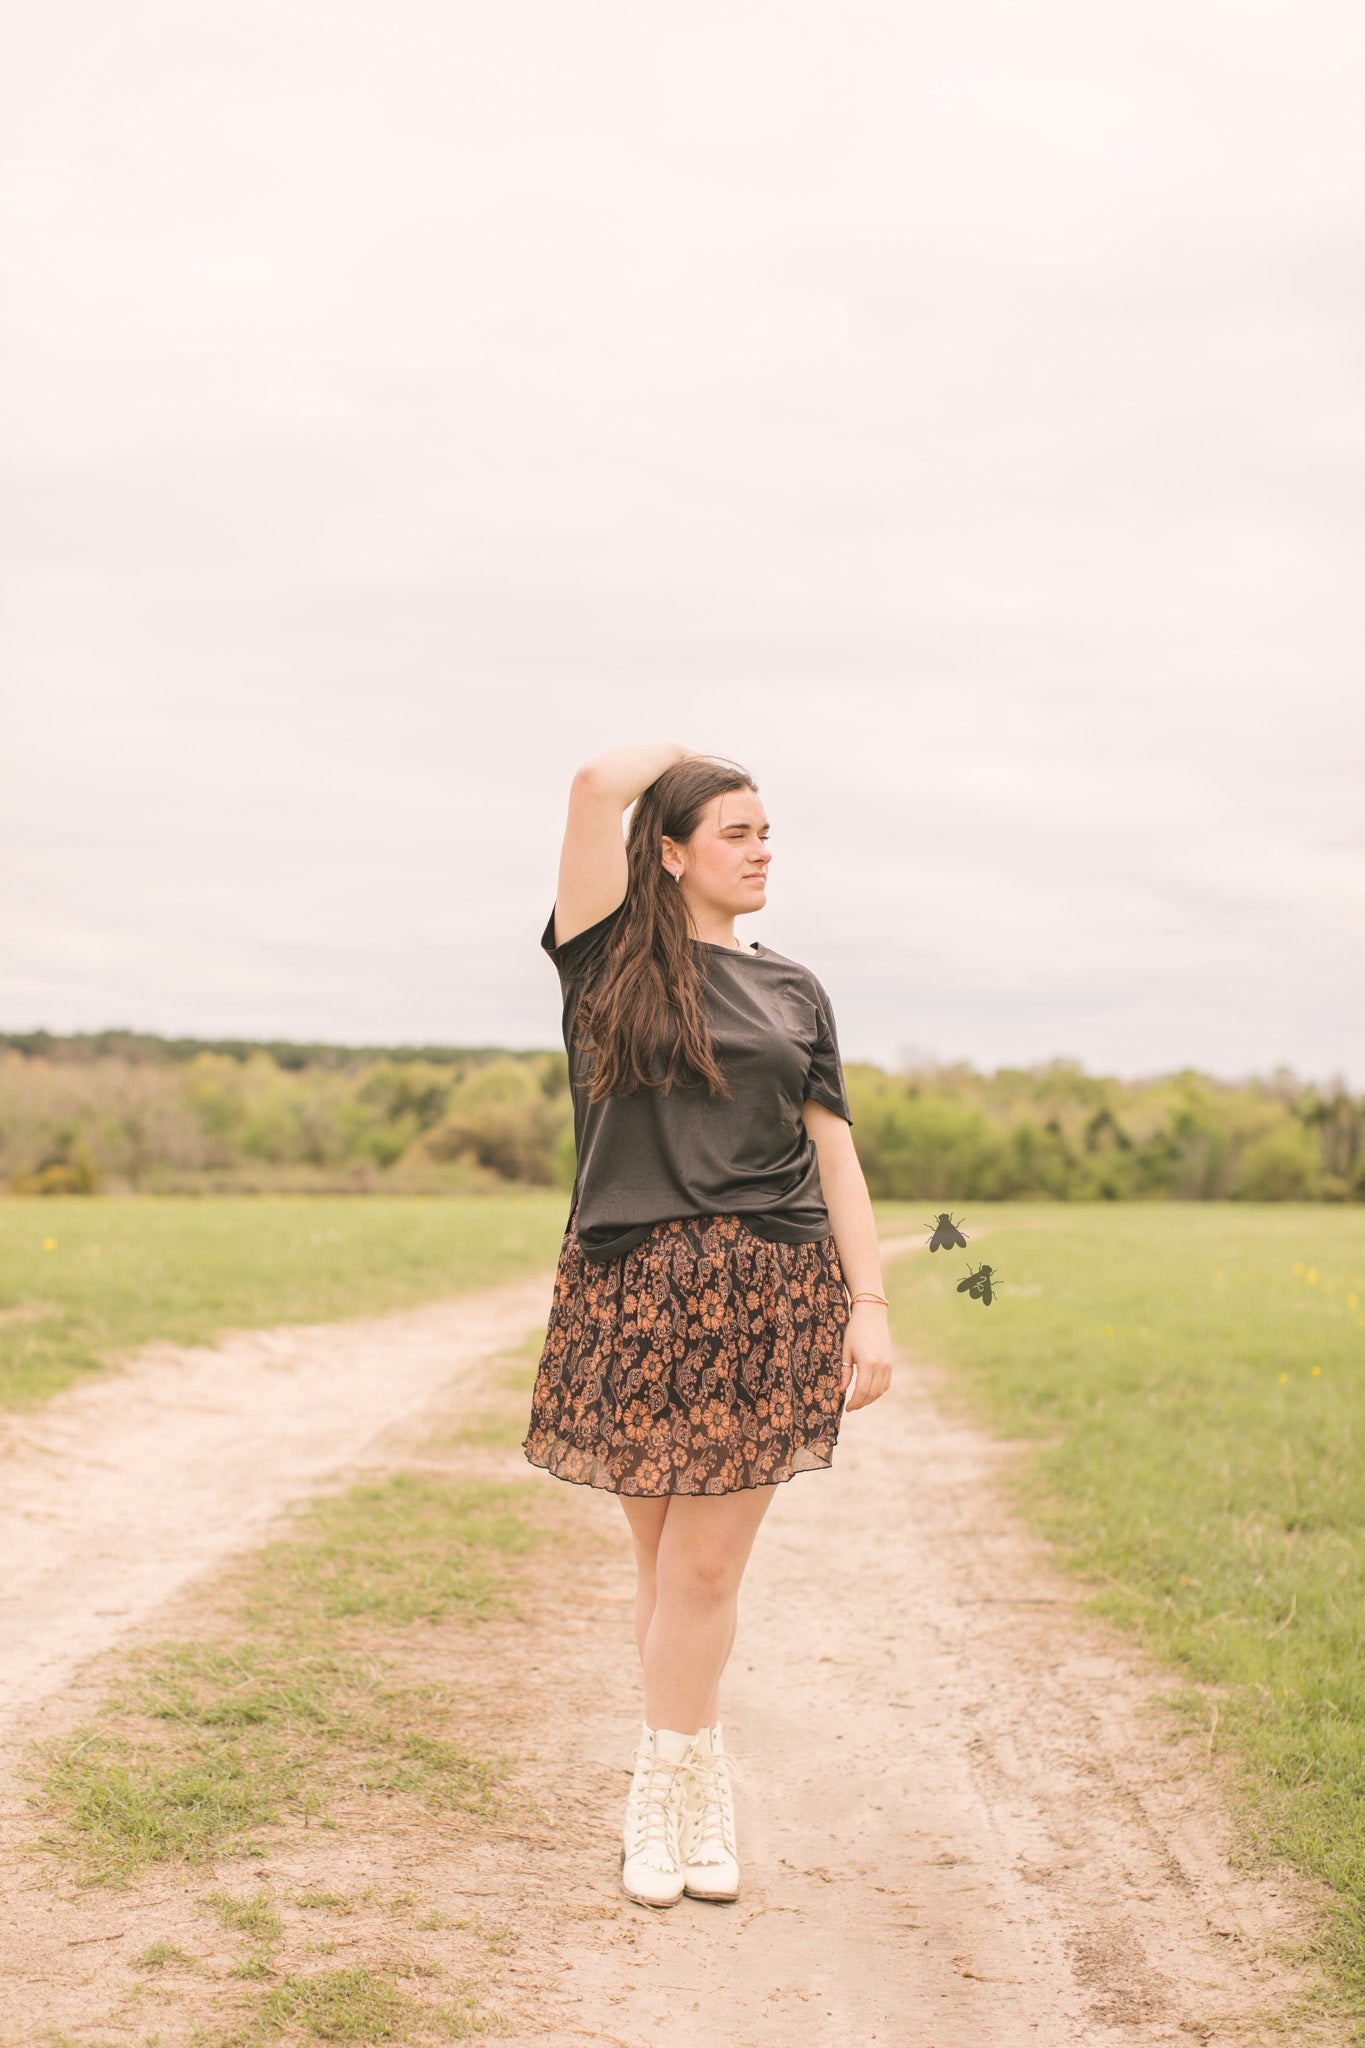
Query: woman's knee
x=700, y=1575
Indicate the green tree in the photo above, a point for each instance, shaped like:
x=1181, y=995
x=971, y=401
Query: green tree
x=501, y=1116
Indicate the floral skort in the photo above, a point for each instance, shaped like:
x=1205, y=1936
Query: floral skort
x=703, y=1360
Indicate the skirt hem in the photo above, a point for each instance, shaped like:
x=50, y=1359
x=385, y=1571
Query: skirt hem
x=823, y=1464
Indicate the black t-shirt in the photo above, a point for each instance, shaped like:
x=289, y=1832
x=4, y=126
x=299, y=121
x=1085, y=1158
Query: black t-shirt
x=646, y=1157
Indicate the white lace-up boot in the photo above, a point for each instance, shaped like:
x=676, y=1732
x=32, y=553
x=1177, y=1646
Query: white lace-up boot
x=651, y=1864
x=710, y=1859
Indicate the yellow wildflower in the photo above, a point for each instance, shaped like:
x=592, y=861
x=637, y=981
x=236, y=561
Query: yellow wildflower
x=1284, y=1378
x=1317, y=1372
x=1311, y=1276
x=49, y=1244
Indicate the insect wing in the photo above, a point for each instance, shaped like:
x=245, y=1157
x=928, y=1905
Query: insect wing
x=957, y=1237
x=969, y=1282
x=983, y=1293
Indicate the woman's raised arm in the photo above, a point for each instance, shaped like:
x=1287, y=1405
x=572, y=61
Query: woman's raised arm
x=592, y=861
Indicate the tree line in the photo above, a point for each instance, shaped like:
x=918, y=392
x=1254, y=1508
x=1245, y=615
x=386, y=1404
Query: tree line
x=123, y=1112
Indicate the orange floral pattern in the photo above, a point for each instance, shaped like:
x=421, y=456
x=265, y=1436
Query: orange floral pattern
x=703, y=1360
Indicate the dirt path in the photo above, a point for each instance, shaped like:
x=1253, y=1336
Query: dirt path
x=960, y=1822
x=122, y=1490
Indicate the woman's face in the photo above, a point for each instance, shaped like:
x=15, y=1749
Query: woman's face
x=725, y=862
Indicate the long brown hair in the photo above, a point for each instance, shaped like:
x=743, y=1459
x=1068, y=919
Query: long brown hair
x=643, y=1017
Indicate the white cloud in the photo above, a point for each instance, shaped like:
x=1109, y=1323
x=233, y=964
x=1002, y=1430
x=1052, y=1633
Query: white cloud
x=951, y=413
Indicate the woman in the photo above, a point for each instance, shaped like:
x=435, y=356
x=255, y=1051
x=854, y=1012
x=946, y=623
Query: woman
x=700, y=1342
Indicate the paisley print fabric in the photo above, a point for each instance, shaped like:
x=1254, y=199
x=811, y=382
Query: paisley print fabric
x=704, y=1360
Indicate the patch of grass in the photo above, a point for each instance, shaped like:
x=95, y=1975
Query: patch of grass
x=442, y=1776
x=405, y=1549
x=165, y=1955
x=503, y=1425
x=118, y=1807
x=83, y=1276
x=461, y=2018
x=366, y=2006
x=243, y=1684
x=256, y=1916
x=253, y=1967
x=342, y=2005
x=207, y=1742
x=1195, y=1378
x=417, y=1966
x=500, y=1941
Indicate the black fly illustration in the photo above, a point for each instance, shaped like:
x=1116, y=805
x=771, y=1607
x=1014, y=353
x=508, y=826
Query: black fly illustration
x=977, y=1286
x=946, y=1233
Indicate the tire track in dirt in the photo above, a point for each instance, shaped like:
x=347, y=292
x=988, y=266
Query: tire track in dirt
x=125, y=1488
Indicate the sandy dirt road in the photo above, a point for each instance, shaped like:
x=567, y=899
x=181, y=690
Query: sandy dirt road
x=962, y=1825
x=961, y=1822
x=123, y=1489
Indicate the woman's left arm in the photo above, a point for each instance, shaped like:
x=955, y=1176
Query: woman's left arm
x=867, y=1341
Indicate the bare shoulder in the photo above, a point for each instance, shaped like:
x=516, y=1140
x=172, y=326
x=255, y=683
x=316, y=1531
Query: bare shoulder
x=592, y=861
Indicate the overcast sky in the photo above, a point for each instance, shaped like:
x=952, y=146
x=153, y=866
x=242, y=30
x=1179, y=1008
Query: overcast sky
x=956, y=414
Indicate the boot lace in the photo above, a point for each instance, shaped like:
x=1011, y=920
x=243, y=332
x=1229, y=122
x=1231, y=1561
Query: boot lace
x=710, y=1807
x=652, y=1811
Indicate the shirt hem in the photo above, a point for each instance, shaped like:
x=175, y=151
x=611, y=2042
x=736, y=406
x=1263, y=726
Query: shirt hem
x=752, y=1220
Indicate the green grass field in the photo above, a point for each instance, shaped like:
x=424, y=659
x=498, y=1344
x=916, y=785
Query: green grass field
x=1195, y=1377
x=1192, y=1378
x=81, y=1277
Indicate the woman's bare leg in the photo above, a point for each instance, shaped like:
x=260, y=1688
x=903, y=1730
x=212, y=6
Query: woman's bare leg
x=646, y=1518
x=691, y=1551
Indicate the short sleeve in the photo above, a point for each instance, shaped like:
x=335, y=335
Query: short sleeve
x=825, y=1074
x=578, y=955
